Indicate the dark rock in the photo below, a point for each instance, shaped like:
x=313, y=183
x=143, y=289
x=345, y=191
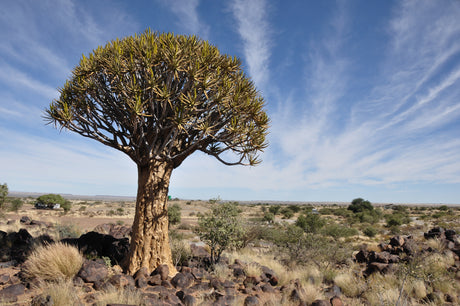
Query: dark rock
x=4, y=278
x=451, y=235
x=436, y=232
x=78, y=281
x=162, y=270
x=295, y=296
x=397, y=241
x=144, y=271
x=41, y=300
x=410, y=247
x=101, y=284
x=92, y=271
x=141, y=281
x=121, y=281
x=378, y=267
x=382, y=257
x=99, y=245
x=238, y=272
x=166, y=284
x=185, y=269
x=251, y=301
x=189, y=300
x=267, y=271
x=362, y=256
x=11, y=293
x=273, y=280
x=154, y=280
x=25, y=220
x=267, y=288
x=182, y=280
x=199, y=273
x=336, y=301
x=320, y=303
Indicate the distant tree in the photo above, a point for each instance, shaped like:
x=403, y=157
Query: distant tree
x=159, y=98
x=48, y=200
x=269, y=217
x=221, y=228
x=360, y=205
x=3, y=194
x=67, y=205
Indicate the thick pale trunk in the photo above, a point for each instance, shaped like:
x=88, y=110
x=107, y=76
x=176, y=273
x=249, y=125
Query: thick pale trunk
x=149, y=240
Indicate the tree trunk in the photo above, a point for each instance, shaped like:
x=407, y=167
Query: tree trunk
x=149, y=240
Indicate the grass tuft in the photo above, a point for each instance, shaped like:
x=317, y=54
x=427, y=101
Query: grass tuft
x=62, y=293
x=130, y=296
x=54, y=262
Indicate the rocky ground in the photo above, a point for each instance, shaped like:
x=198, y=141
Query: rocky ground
x=193, y=284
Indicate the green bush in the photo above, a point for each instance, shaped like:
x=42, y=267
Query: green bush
x=310, y=223
x=338, y=231
x=274, y=209
x=370, y=231
x=269, y=217
x=294, y=208
x=3, y=194
x=174, y=214
x=221, y=229
x=287, y=213
x=16, y=204
x=66, y=206
x=443, y=208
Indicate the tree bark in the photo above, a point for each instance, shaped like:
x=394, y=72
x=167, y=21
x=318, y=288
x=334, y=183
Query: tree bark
x=150, y=240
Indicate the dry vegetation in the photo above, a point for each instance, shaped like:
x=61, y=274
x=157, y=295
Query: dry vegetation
x=317, y=253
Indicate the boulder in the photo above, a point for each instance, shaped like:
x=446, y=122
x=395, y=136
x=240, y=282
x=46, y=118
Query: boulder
x=92, y=271
x=11, y=293
x=182, y=280
x=163, y=271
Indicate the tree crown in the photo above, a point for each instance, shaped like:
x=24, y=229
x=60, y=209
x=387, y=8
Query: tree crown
x=162, y=97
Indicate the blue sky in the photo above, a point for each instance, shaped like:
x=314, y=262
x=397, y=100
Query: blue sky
x=363, y=96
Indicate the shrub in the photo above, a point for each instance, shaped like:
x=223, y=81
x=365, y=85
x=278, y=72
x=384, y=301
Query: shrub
x=180, y=251
x=274, y=209
x=3, y=194
x=370, y=231
x=16, y=204
x=269, y=217
x=174, y=214
x=310, y=223
x=66, y=206
x=67, y=231
x=443, y=208
x=54, y=262
x=287, y=213
x=294, y=208
x=338, y=231
x=360, y=205
x=221, y=229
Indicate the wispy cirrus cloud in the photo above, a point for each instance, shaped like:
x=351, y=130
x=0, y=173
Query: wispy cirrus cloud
x=254, y=29
x=188, y=16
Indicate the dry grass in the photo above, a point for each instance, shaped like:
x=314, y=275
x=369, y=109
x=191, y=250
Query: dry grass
x=221, y=271
x=351, y=285
x=253, y=270
x=63, y=293
x=130, y=296
x=54, y=262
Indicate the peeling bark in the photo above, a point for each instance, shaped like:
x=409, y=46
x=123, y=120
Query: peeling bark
x=150, y=241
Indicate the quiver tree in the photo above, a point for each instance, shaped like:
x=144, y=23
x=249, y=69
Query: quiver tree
x=159, y=98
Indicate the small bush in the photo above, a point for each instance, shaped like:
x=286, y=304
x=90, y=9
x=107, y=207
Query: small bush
x=310, y=223
x=67, y=231
x=274, y=209
x=360, y=205
x=16, y=204
x=287, y=213
x=370, y=231
x=338, y=231
x=269, y=217
x=54, y=262
x=174, y=214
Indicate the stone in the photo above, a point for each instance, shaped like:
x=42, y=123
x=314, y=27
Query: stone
x=121, y=281
x=198, y=251
x=320, y=303
x=189, y=300
x=238, y=272
x=362, y=256
x=336, y=301
x=4, y=278
x=92, y=271
x=273, y=280
x=251, y=280
x=141, y=281
x=154, y=280
x=163, y=271
x=11, y=293
x=144, y=271
x=267, y=271
x=251, y=301
x=41, y=300
x=397, y=241
x=267, y=288
x=25, y=220
x=182, y=280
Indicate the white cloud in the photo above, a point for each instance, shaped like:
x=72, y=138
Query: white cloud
x=189, y=18
x=254, y=29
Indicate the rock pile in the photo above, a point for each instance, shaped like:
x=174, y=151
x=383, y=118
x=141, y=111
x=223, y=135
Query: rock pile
x=392, y=253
